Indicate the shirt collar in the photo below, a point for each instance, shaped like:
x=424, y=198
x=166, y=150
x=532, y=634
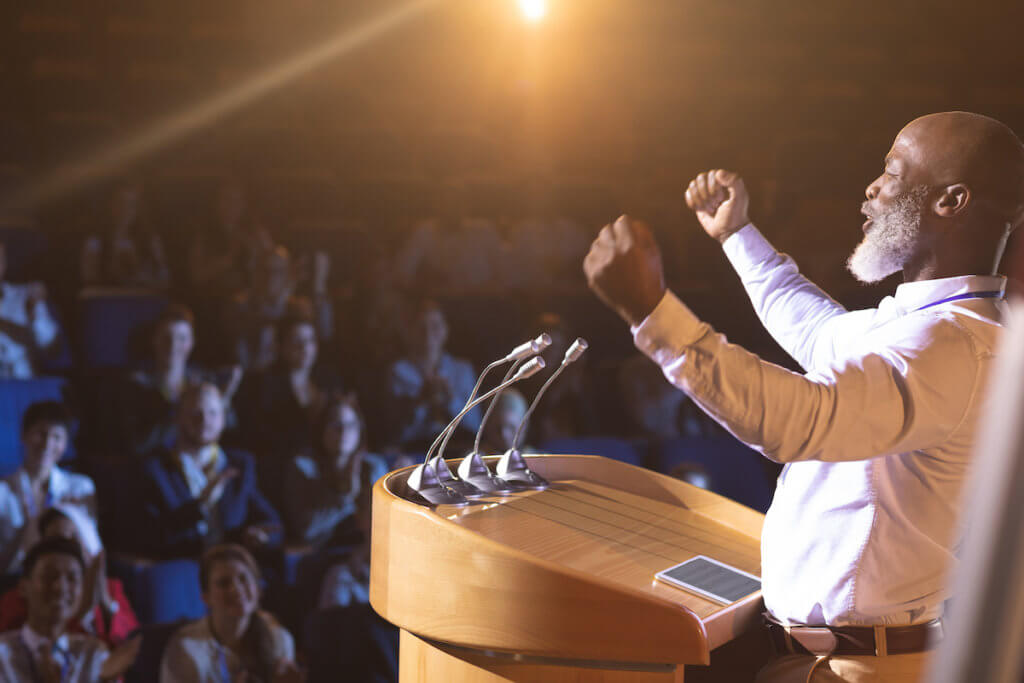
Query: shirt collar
x=34, y=641
x=911, y=296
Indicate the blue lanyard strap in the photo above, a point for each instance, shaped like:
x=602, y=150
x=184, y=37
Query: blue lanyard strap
x=959, y=297
x=34, y=672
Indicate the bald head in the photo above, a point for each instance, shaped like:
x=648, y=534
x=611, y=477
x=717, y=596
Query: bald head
x=952, y=189
x=976, y=151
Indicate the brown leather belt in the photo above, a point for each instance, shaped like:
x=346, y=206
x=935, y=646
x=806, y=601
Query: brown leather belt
x=853, y=640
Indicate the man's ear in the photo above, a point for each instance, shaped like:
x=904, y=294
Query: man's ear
x=953, y=200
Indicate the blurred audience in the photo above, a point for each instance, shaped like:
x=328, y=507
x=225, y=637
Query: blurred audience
x=273, y=294
x=28, y=332
x=656, y=410
x=226, y=245
x=277, y=406
x=500, y=430
x=43, y=649
x=104, y=610
x=196, y=494
x=147, y=415
x=565, y=410
x=39, y=483
x=322, y=486
x=428, y=386
x=129, y=251
x=236, y=641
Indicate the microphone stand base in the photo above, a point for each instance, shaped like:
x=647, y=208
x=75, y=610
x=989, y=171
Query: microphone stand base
x=423, y=480
x=512, y=468
x=474, y=470
x=447, y=478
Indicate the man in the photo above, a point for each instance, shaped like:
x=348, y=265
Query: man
x=876, y=436
x=42, y=649
x=27, y=330
x=428, y=386
x=39, y=484
x=197, y=494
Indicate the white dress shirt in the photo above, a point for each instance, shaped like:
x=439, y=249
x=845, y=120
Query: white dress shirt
x=80, y=657
x=194, y=655
x=16, y=360
x=876, y=436
x=19, y=511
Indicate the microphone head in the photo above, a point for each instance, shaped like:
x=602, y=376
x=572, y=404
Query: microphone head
x=524, y=350
x=575, y=351
x=530, y=369
x=542, y=342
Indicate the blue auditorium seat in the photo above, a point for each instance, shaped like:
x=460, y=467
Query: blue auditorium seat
x=15, y=397
x=622, y=450
x=734, y=471
x=160, y=591
x=111, y=325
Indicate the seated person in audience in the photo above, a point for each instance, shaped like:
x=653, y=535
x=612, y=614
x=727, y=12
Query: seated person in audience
x=566, y=409
x=196, y=494
x=150, y=399
x=656, y=409
x=129, y=252
x=277, y=407
x=347, y=579
x=39, y=483
x=42, y=649
x=323, y=485
x=27, y=330
x=501, y=427
x=273, y=295
x=236, y=641
x=428, y=386
x=224, y=246
x=104, y=611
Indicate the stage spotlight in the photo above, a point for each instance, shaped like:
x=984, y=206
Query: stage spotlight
x=534, y=10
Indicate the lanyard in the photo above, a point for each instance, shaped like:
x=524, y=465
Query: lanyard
x=959, y=297
x=225, y=675
x=34, y=672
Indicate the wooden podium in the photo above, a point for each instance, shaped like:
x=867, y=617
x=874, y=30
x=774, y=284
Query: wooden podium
x=558, y=585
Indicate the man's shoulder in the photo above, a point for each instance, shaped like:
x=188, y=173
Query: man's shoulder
x=76, y=484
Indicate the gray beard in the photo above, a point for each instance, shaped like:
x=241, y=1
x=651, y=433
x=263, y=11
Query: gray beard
x=889, y=244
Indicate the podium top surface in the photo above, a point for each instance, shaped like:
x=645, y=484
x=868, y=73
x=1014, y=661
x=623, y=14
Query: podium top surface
x=564, y=571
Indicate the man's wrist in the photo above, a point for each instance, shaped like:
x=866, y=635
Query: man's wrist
x=638, y=313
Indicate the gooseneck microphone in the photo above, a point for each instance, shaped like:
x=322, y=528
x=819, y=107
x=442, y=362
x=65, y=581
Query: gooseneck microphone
x=517, y=357
x=424, y=480
x=512, y=466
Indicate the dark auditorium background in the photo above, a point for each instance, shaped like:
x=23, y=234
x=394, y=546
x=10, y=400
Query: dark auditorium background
x=459, y=114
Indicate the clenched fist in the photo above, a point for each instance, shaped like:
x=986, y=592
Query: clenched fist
x=721, y=202
x=624, y=269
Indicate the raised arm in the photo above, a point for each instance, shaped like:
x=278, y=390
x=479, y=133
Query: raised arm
x=792, y=308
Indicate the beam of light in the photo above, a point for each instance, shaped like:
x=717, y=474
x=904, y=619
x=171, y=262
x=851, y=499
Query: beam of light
x=534, y=10
x=176, y=126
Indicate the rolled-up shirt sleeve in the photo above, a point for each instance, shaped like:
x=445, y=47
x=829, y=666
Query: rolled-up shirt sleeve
x=907, y=392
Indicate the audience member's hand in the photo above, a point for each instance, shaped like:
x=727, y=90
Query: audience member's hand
x=234, y=379
x=258, y=535
x=35, y=294
x=94, y=584
x=624, y=269
x=49, y=670
x=121, y=658
x=721, y=201
x=214, y=489
x=321, y=271
x=437, y=390
x=287, y=672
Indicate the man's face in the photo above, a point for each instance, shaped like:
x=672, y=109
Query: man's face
x=54, y=587
x=202, y=417
x=894, y=208
x=45, y=443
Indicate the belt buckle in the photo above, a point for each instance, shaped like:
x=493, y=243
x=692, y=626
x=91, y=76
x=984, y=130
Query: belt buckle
x=819, y=641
